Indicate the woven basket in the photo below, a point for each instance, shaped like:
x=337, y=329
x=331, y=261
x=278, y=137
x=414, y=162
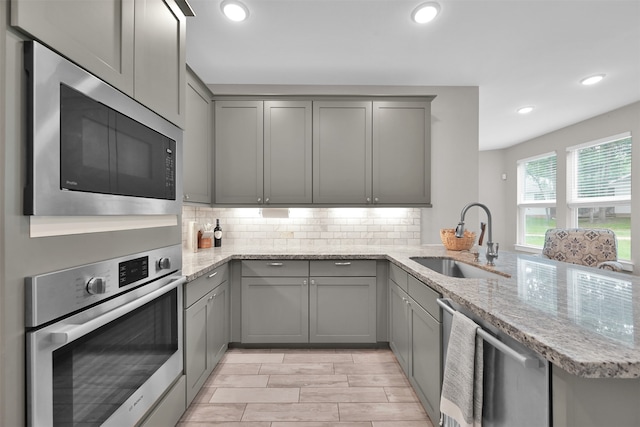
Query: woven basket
x=453, y=243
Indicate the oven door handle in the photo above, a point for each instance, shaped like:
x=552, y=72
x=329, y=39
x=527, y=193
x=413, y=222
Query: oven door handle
x=72, y=332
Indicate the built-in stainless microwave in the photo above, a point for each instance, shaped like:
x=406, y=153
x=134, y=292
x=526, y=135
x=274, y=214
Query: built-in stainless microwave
x=93, y=150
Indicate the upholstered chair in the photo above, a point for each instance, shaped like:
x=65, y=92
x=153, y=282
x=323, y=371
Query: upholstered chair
x=594, y=247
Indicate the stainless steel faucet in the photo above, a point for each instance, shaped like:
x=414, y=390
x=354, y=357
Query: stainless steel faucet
x=491, y=253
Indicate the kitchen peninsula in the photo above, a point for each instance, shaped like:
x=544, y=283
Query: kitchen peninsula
x=584, y=321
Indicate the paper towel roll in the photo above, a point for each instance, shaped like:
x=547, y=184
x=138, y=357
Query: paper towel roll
x=192, y=236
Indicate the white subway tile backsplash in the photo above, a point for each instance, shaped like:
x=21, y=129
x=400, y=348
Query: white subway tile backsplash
x=311, y=226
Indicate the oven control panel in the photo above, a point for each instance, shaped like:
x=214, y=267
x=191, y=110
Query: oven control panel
x=54, y=295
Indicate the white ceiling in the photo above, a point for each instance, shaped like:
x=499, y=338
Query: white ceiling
x=518, y=52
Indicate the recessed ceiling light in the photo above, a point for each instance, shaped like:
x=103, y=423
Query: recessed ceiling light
x=591, y=80
x=525, y=110
x=234, y=10
x=426, y=12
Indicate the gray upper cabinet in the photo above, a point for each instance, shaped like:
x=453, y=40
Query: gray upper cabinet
x=238, y=152
x=112, y=38
x=342, y=152
x=263, y=152
x=98, y=35
x=160, y=58
x=401, y=152
x=198, y=142
x=287, y=152
x=328, y=151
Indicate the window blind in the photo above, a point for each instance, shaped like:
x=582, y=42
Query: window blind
x=602, y=171
x=539, y=179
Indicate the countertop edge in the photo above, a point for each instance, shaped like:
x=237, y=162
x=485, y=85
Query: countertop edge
x=604, y=369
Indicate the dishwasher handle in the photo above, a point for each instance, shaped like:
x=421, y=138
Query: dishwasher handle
x=525, y=360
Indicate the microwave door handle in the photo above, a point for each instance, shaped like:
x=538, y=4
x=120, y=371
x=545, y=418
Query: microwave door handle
x=68, y=333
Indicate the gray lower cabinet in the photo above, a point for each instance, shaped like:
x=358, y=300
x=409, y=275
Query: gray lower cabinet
x=275, y=310
x=415, y=331
x=342, y=302
x=425, y=360
x=206, y=327
x=399, y=325
x=275, y=301
x=329, y=301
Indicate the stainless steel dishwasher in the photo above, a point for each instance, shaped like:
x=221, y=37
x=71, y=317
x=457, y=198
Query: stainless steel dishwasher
x=516, y=380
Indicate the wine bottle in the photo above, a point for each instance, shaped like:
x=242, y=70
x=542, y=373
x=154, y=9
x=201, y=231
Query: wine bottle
x=217, y=235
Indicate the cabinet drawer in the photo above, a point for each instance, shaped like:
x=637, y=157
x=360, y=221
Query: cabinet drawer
x=275, y=268
x=341, y=268
x=425, y=296
x=399, y=276
x=204, y=284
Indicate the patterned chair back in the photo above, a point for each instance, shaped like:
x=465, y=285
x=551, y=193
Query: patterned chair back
x=584, y=246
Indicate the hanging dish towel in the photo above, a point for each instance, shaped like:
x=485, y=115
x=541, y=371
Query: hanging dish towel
x=461, y=399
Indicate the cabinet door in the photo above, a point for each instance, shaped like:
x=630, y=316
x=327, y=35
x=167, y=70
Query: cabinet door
x=198, y=142
x=97, y=35
x=402, y=152
x=238, y=152
x=198, y=336
x=399, y=325
x=342, y=152
x=425, y=361
x=275, y=310
x=287, y=152
x=219, y=324
x=342, y=309
x=160, y=58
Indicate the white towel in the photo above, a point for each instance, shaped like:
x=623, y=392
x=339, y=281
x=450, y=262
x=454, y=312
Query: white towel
x=461, y=399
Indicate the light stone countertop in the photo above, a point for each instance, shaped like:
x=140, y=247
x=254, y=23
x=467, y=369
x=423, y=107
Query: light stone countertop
x=583, y=320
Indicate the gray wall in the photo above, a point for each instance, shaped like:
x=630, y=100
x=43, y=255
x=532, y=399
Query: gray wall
x=625, y=119
x=25, y=256
x=454, y=144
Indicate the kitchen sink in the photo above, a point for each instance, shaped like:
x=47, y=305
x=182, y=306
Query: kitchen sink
x=452, y=268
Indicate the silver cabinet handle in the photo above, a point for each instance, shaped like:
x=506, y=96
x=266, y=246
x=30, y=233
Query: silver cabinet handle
x=313, y=282
x=304, y=282
x=186, y=197
x=266, y=200
x=376, y=200
x=211, y=275
x=342, y=264
x=368, y=199
x=259, y=199
x=275, y=264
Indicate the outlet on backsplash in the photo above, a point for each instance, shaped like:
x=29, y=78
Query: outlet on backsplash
x=312, y=226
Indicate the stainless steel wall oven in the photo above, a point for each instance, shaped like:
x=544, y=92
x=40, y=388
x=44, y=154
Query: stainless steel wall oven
x=104, y=340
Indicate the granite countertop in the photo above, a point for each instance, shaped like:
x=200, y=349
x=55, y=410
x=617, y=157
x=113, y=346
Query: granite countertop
x=583, y=320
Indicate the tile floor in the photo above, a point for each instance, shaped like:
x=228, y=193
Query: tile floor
x=307, y=388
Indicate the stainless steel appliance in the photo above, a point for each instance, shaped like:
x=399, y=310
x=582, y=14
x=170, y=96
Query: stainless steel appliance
x=92, y=150
x=103, y=340
x=516, y=379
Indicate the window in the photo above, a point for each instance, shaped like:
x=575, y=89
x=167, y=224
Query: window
x=599, y=188
x=536, y=199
